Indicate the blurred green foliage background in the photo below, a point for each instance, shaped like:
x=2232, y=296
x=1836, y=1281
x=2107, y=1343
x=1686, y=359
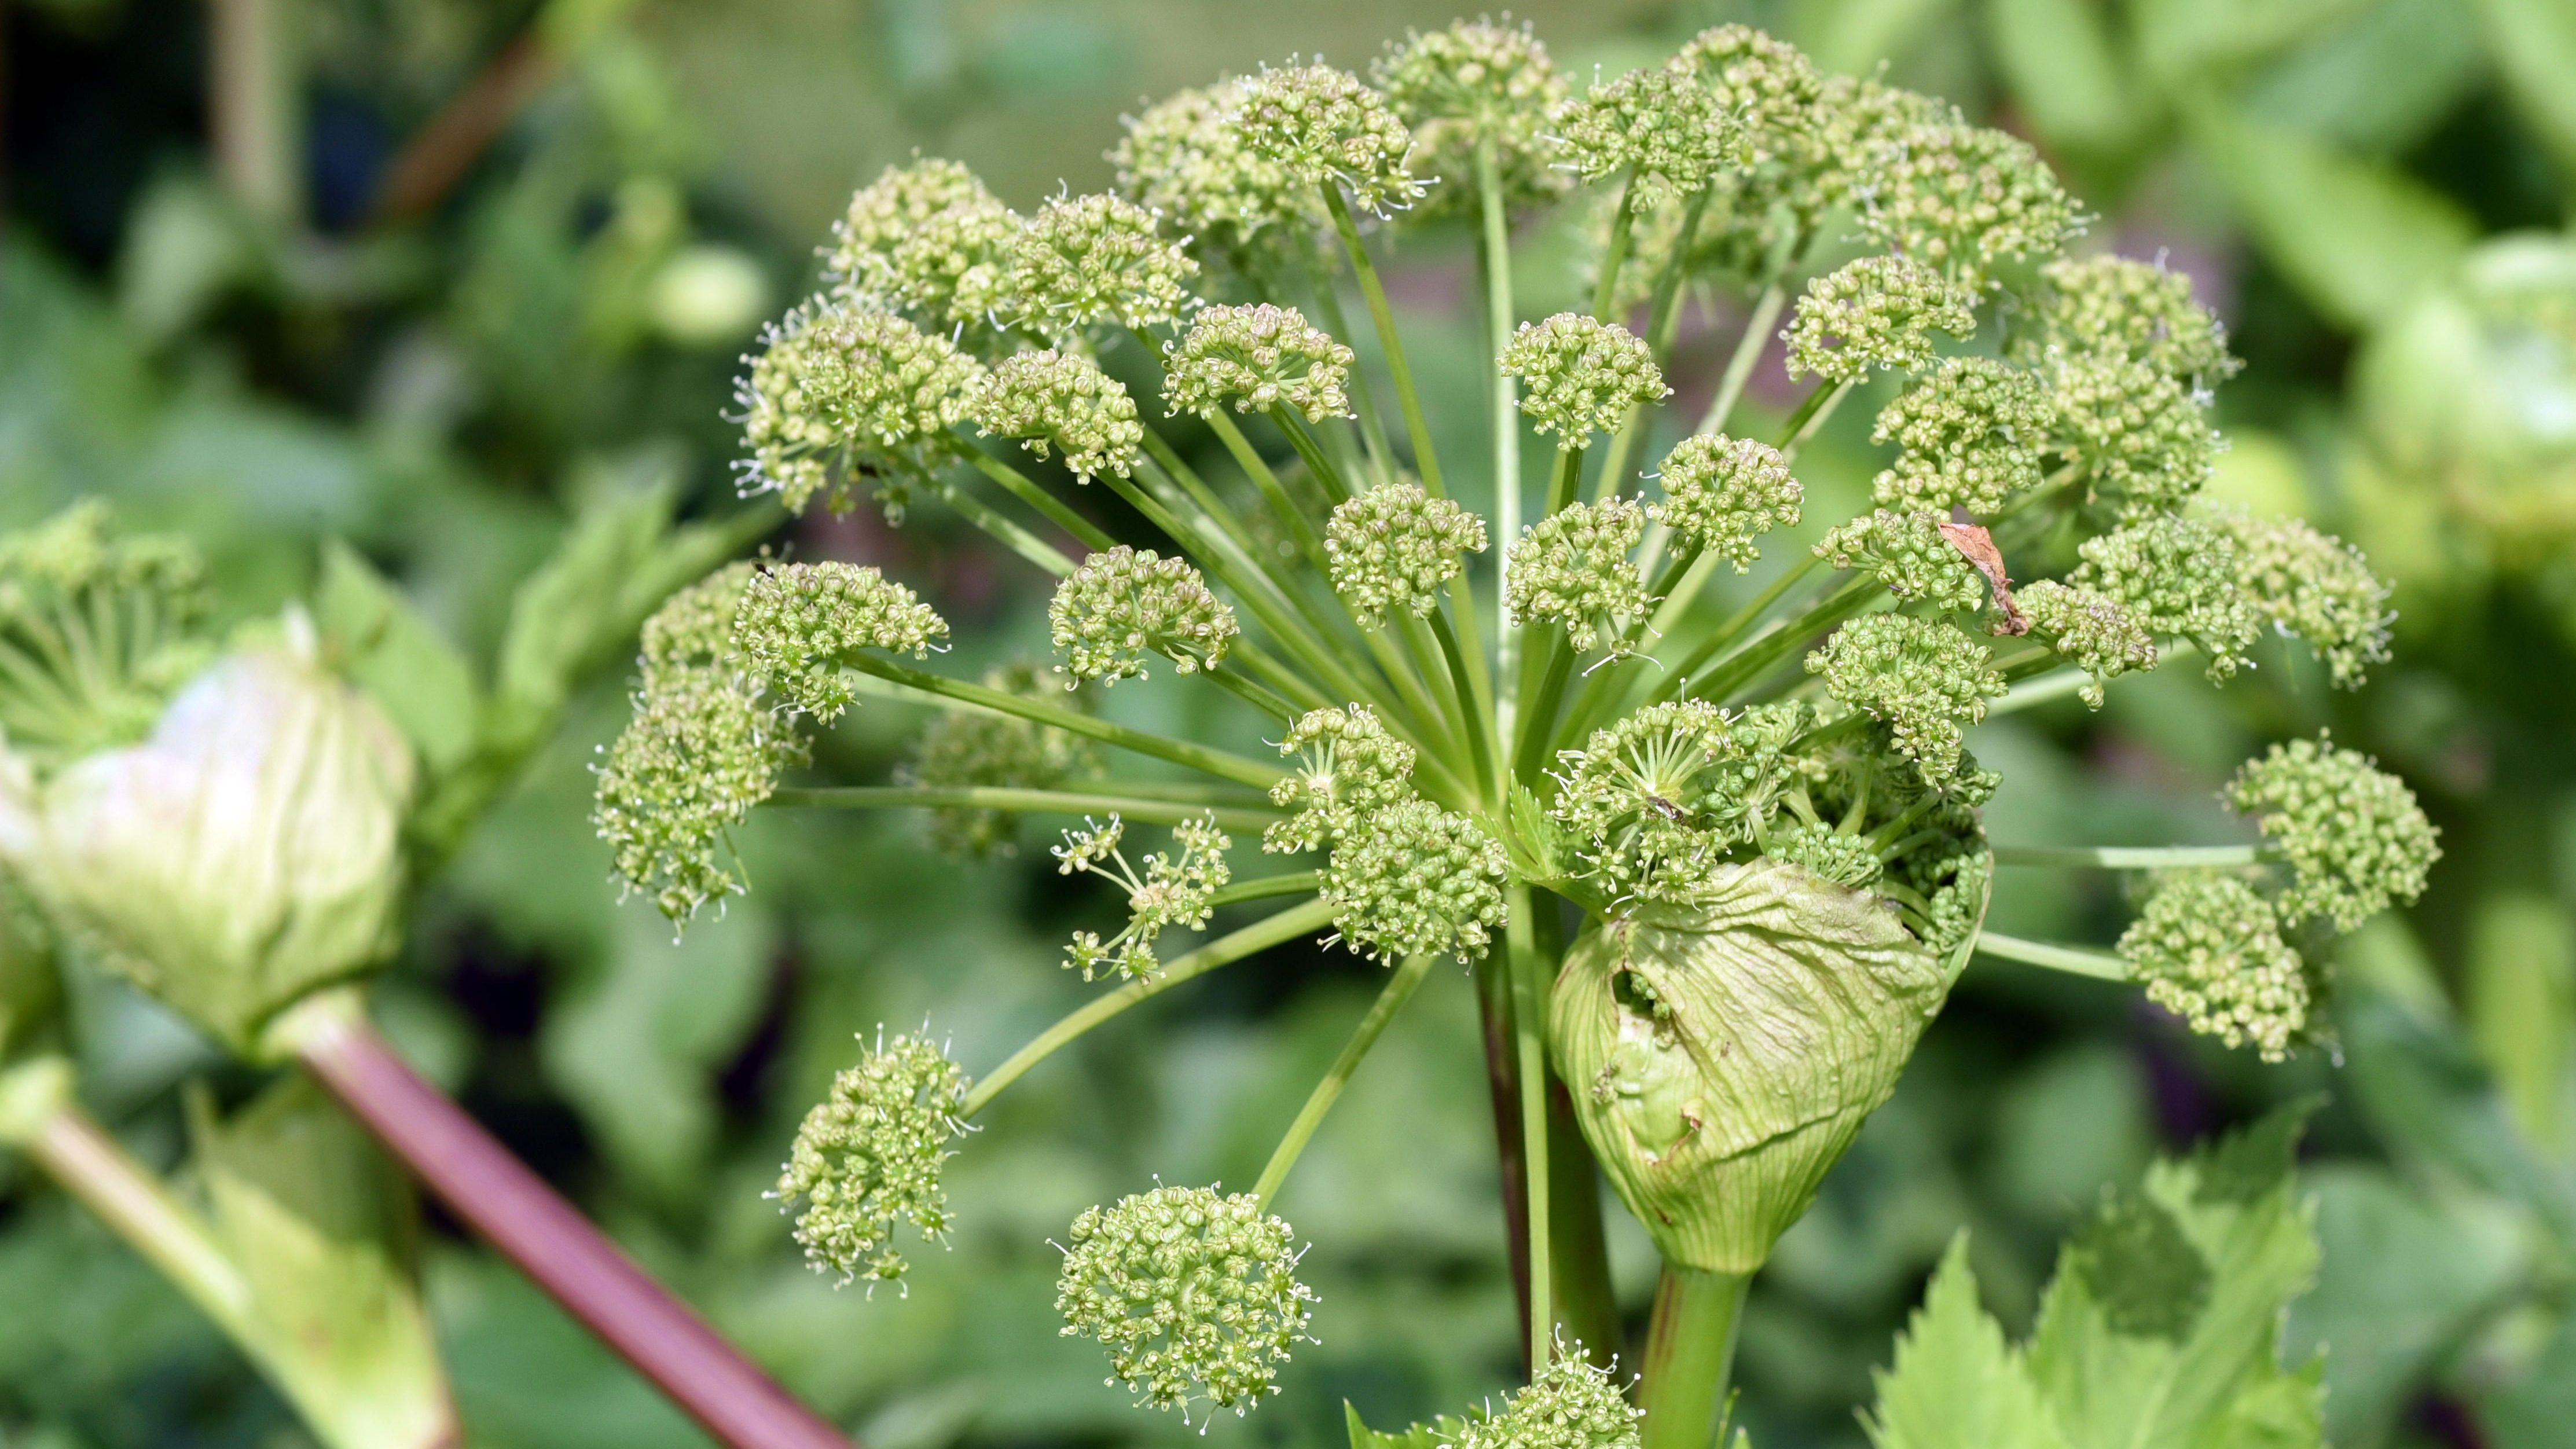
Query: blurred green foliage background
x=425, y=276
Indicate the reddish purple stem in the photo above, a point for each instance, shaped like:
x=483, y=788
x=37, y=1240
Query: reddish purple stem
x=557, y=1248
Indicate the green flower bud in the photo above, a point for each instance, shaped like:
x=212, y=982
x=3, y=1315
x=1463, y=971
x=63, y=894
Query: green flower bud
x=1660, y=125
x=925, y=238
x=1972, y=434
x=1123, y=604
x=2089, y=630
x=2177, y=576
x=1721, y=493
x=1053, y=399
x=2209, y=949
x=1328, y=129
x=1963, y=198
x=797, y=622
x=1658, y=799
x=1925, y=679
x=2316, y=587
x=834, y=388
x=1186, y=161
x=871, y=1153
x=1572, y=569
x=1416, y=879
x=1195, y=1295
x=1580, y=375
x=1875, y=312
x=1476, y=82
x=1570, y=1404
x=2355, y=839
x=1349, y=769
x=245, y=854
x=1909, y=554
x=1173, y=889
x=1394, y=546
x=101, y=631
x=2137, y=311
x=1722, y=1058
x=1256, y=357
x=2142, y=440
x=1768, y=85
x=968, y=748
x=1085, y=261
x=1863, y=124
x=1830, y=855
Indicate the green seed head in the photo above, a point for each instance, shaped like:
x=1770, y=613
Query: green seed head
x=797, y=623
x=1570, y=1405
x=1349, y=769
x=1572, y=569
x=927, y=239
x=1326, y=128
x=1580, y=375
x=1086, y=261
x=1124, y=604
x=1875, y=312
x=1415, y=879
x=2177, y=576
x=1394, y=547
x=1660, y=125
x=1475, y=83
x=1658, y=799
x=2090, y=630
x=870, y=1154
x=1053, y=400
x=2316, y=587
x=1768, y=85
x=2209, y=949
x=1971, y=432
x=2111, y=306
x=1257, y=357
x=1722, y=493
x=2354, y=837
x=835, y=389
x=1926, y=680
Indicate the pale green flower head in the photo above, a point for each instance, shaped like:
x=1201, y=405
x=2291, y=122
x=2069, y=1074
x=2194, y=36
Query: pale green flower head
x=1909, y=554
x=1768, y=85
x=1327, y=128
x=2177, y=576
x=1061, y=401
x=1415, y=879
x=2143, y=440
x=1863, y=123
x=1187, y=162
x=1963, y=199
x=1395, y=547
x=1580, y=375
x=925, y=238
x=1658, y=125
x=2090, y=630
x=1472, y=83
x=1722, y=493
x=2111, y=306
x=1572, y=569
x=1257, y=357
x=1099, y=260
x=1349, y=769
x=1830, y=855
x=870, y=1155
x=2209, y=949
x=1571, y=1404
x=2314, y=586
x=1123, y=604
x=1172, y=888
x=833, y=387
x=2355, y=839
x=1971, y=433
x=1875, y=312
x=1925, y=679
x=1658, y=799
x=58, y=580
x=797, y=623
x=967, y=748
x=1194, y=1293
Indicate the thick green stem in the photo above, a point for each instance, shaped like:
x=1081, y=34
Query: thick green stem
x=1224, y=951
x=1494, y=250
x=1300, y=528
x=1399, y=990
x=1025, y=488
x=1690, y=1355
x=2100, y=965
x=1748, y=351
x=1425, y=460
x=2130, y=857
x=1810, y=415
x=1564, y=482
x=1001, y=529
x=1026, y=802
x=1529, y=1017
x=1180, y=752
x=1614, y=254
x=1539, y=724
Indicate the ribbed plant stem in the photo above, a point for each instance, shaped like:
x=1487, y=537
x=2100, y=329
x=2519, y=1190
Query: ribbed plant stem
x=1425, y=460
x=532, y=1226
x=1529, y=1017
x=1690, y=1354
x=2074, y=960
x=1495, y=248
x=1319, y=1103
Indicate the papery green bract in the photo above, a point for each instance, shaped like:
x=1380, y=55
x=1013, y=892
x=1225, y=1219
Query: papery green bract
x=871, y=1154
x=2177, y=576
x=1053, y=400
x=1925, y=679
x=2142, y=441
x=1477, y=83
x=1722, y=493
x=2135, y=311
x=2209, y=949
x=1964, y=199
x=1123, y=604
x=2315, y=587
x=1723, y=1057
x=924, y=238
x=1185, y=160
x=1878, y=311
x=1257, y=357
x=1659, y=125
x=243, y=855
x=1415, y=879
x=797, y=622
x=1086, y=261
x=964, y=749
x=1971, y=432
x=1580, y=375
x=1326, y=128
x=1572, y=569
x=1569, y=1404
x=1349, y=769
x=1194, y=1293
x=2355, y=839
x=100, y=631
x=1394, y=547
x=2089, y=630
x=1909, y=555
x=831, y=386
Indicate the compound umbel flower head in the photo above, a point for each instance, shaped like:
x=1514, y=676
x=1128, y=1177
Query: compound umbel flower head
x=1326, y=128
x=870, y=1154
x=1415, y=879
x=1478, y=83
x=1878, y=311
x=1085, y=261
x=1570, y=1404
x=2353, y=835
x=1658, y=124
x=1349, y=770
x=1925, y=679
x=1123, y=604
x=835, y=389
x=1394, y=546
x=797, y=622
x=1722, y=493
x=1972, y=434
x=1194, y=1293
x=924, y=238
x=1580, y=375
x=2209, y=949
x=1185, y=160
x=1572, y=569
x=1256, y=357
x=1061, y=400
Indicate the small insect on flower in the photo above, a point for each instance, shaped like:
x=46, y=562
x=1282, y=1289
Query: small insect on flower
x=2354, y=837
x=1194, y=1294
x=2209, y=949
x=1123, y=604
x=1659, y=125
x=1327, y=128
x=1415, y=879
x=1925, y=679
x=797, y=624
x=1086, y=261
x=1910, y=555
x=1971, y=432
x=1173, y=889
x=1060, y=400
x=1878, y=311
x=1580, y=376
x=1348, y=770
x=1257, y=357
x=1394, y=546
x=1722, y=493
x=871, y=1154
x=1570, y=1404
x=1572, y=569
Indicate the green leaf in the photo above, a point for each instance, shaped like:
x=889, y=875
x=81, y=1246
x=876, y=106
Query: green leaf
x=2534, y=45
x=2185, y=41
x=2358, y=239
x=1438, y=1434
x=2147, y=1278
x=371, y=632
x=1956, y=1383
x=2380, y=84
x=2058, y=59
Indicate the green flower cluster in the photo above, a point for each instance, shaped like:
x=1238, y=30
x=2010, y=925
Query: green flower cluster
x=1658, y=125
x=97, y=630
x=926, y=239
x=1417, y=880
x=1659, y=798
x=835, y=392
x=1722, y=493
x=1569, y=1404
x=871, y=1154
x=796, y=623
x=1126, y=603
x=1394, y=547
x=1580, y=375
x=1061, y=400
x=1477, y=83
x=1877, y=311
x=2353, y=835
x=1926, y=680
x=1572, y=569
x=1965, y=198
x=2315, y=587
x=1349, y=770
x=2209, y=949
x=1326, y=128
x=965, y=749
x=1971, y=435
x=1195, y=1295
x=1099, y=260
x=2108, y=306
x=2176, y=576
x=1257, y=357
x=2090, y=630
x=2142, y=440
x=1186, y=161
x=1910, y=555
x=1172, y=889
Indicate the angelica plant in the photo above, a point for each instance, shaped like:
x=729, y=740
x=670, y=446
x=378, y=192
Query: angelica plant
x=1715, y=856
